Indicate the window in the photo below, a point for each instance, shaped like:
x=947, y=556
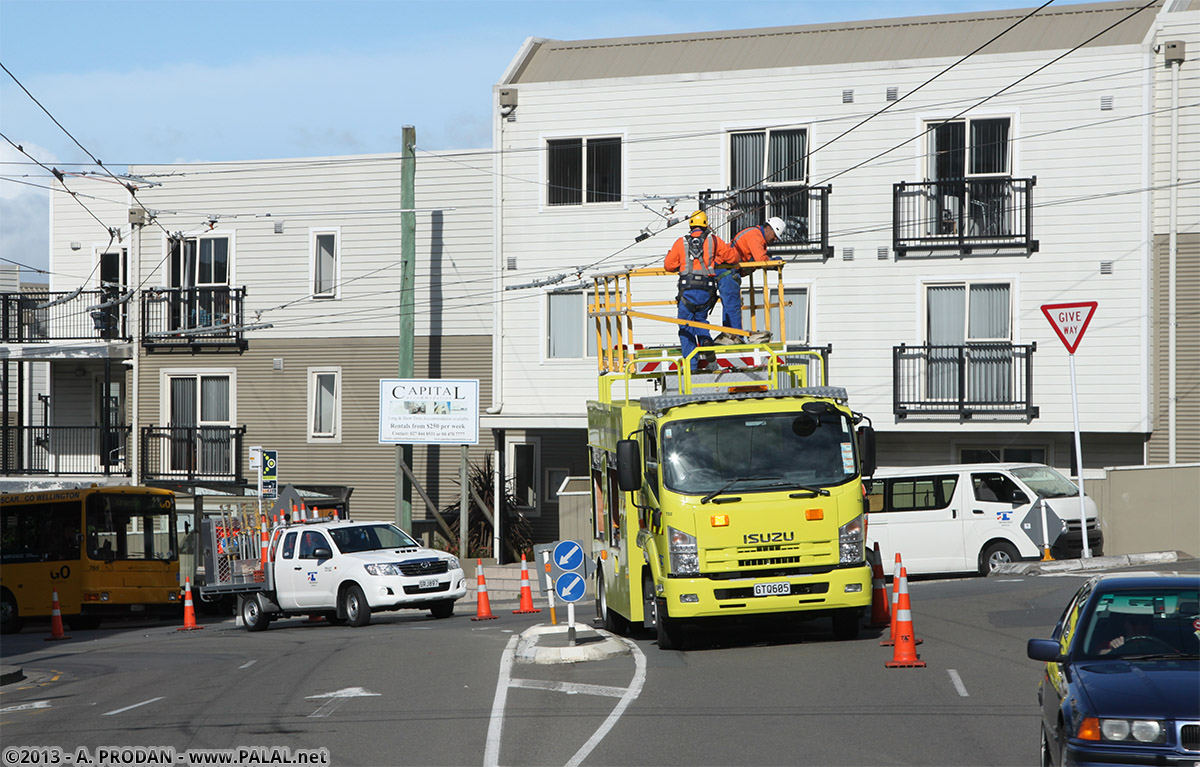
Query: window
x=554, y=480
x=326, y=263
x=583, y=170
x=324, y=404
x=775, y=159
x=524, y=467
x=289, y=546
x=912, y=493
x=795, y=314
x=199, y=270
x=199, y=416
x=1002, y=455
x=971, y=161
x=970, y=324
x=569, y=335
x=312, y=541
x=996, y=488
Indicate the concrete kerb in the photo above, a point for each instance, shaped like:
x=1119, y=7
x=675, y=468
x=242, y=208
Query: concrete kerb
x=591, y=644
x=1093, y=563
x=10, y=674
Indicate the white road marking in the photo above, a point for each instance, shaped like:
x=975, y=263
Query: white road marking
x=634, y=689
x=135, y=705
x=571, y=688
x=491, y=752
x=26, y=706
x=248, y=664
x=337, y=698
x=958, y=683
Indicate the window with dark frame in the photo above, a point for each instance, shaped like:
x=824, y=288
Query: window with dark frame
x=583, y=170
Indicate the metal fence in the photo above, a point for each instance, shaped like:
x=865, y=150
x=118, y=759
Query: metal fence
x=59, y=450
x=962, y=214
x=805, y=210
x=186, y=318
x=88, y=315
x=193, y=453
x=989, y=379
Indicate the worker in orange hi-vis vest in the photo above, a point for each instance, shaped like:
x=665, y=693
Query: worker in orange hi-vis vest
x=696, y=257
x=750, y=244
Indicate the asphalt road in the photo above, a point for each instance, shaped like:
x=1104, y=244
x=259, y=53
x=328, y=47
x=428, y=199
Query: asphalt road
x=411, y=690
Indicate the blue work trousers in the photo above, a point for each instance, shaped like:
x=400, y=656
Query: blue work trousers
x=729, y=287
x=689, y=337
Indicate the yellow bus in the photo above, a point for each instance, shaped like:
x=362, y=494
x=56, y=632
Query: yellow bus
x=107, y=551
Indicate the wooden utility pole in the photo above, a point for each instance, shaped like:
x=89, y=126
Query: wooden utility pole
x=408, y=253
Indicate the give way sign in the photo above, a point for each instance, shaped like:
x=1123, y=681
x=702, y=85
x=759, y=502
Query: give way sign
x=1069, y=321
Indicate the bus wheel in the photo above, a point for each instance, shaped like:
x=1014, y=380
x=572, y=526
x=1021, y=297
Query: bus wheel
x=83, y=622
x=845, y=624
x=10, y=620
x=612, y=621
x=669, y=635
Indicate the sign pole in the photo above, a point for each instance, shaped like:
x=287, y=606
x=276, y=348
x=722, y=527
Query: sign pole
x=570, y=624
x=1045, y=531
x=1087, y=552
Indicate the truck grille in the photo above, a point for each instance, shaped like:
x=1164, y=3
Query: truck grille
x=420, y=567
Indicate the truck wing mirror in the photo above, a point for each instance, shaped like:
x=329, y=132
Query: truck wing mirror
x=866, y=450
x=322, y=553
x=1019, y=498
x=629, y=461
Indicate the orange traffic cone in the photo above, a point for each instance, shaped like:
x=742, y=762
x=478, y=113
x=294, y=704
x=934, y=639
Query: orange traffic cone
x=526, y=594
x=56, y=627
x=483, y=609
x=189, y=612
x=905, y=653
x=880, y=614
x=891, y=640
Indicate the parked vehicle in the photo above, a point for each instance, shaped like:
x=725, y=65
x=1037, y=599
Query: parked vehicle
x=974, y=517
x=1122, y=676
x=106, y=551
x=339, y=569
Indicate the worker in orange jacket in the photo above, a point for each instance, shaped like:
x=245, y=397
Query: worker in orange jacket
x=696, y=257
x=750, y=244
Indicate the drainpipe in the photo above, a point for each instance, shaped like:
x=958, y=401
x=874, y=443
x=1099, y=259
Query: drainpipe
x=135, y=321
x=1174, y=60
x=497, y=257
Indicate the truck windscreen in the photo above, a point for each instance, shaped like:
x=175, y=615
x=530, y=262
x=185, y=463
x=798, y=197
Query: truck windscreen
x=370, y=538
x=771, y=451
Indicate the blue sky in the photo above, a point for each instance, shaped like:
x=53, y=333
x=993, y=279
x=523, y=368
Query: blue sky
x=204, y=80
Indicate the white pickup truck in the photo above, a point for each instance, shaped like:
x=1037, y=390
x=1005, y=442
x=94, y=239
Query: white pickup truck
x=341, y=570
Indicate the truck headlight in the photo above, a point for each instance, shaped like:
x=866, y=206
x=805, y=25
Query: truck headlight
x=387, y=568
x=850, y=541
x=685, y=560
x=452, y=563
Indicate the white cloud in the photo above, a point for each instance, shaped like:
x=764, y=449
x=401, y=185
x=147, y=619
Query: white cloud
x=24, y=209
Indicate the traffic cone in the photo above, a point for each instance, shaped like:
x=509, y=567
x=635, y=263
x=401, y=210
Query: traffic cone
x=56, y=627
x=880, y=614
x=263, y=531
x=526, y=594
x=189, y=612
x=905, y=653
x=891, y=640
x=483, y=609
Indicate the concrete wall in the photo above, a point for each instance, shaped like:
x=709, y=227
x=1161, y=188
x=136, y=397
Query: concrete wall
x=1148, y=508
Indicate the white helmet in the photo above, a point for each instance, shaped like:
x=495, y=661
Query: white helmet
x=776, y=223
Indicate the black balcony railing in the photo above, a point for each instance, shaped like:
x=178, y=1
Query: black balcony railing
x=805, y=210
x=41, y=317
x=963, y=215
x=992, y=380
x=64, y=450
x=193, y=453
x=193, y=319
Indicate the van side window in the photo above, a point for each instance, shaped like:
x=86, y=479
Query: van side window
x=920, y=493
x=995, y=488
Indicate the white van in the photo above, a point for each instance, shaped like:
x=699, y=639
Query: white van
x=970, y=517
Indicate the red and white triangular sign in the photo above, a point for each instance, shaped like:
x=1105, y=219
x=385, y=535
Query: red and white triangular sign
x=1069, y=321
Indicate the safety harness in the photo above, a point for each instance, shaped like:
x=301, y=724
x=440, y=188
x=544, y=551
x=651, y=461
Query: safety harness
x=693, y=278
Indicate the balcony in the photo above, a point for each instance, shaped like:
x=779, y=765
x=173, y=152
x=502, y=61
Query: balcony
x=64, y=450
x=193, y=454
x=964, y=216
x=805, y=210
x=194, y=319
x=45, y=317
x=986, y=380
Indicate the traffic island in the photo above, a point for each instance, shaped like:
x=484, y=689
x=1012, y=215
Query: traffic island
x=1092, y=563
x=548, y=645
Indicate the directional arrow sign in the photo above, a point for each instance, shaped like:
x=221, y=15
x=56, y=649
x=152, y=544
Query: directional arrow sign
x=570, y=587
x=1069, y=321
x=568, y=555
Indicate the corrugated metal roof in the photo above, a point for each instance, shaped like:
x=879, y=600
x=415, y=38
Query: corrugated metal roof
x=841, y=43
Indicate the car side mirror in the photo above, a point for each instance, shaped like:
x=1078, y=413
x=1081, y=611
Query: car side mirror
x=1044, y=650
x=322, y=553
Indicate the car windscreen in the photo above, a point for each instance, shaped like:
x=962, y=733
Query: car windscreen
x=370, y=538
x=1143, y=623
x=1046, y=482
x=767, y=451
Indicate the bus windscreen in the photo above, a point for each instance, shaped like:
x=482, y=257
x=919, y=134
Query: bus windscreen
x=130, y=527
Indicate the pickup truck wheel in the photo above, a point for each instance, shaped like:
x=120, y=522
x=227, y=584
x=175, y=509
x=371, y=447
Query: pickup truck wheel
x=443, y=609
x=253, y=616
x=355, y=607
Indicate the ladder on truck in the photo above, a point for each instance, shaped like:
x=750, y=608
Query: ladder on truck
x=754, y=365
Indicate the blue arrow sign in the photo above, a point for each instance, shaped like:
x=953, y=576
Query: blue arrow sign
x=568, y=555
x=570, y=587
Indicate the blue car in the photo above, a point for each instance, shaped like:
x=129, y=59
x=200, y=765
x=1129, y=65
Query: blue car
x=1122, y=677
